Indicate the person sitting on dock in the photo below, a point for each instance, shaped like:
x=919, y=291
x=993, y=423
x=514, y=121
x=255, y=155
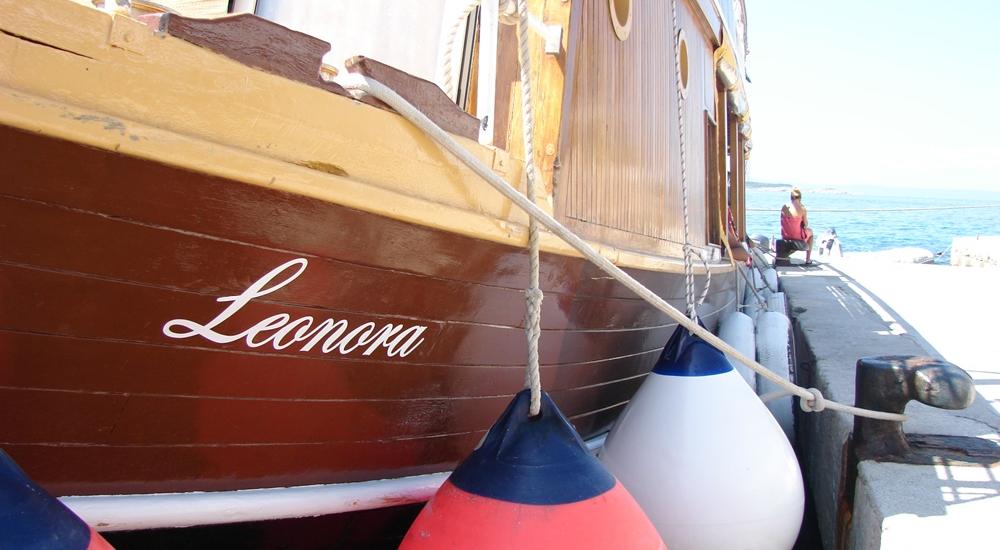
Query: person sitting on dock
x=795, y=223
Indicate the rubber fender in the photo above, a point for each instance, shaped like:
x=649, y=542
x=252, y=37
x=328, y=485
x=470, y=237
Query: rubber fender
x=772, y=352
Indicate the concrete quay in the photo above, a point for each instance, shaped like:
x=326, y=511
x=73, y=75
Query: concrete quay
x=850, y=309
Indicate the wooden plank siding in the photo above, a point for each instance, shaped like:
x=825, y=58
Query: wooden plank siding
x=548, y=72
x=619, y=179
x=102, y=250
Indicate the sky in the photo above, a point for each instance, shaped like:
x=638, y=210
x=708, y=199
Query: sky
x=889, y=93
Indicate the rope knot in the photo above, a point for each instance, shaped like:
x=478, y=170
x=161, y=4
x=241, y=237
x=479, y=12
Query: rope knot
x=534, y=296
x=816, y=404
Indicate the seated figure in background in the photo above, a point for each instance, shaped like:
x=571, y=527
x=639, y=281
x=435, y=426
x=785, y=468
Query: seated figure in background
x=830, y=243
x=795, y=223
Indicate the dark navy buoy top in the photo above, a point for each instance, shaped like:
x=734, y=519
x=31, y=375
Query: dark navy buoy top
x=540, y=460
x=30, y=518
x=688, y=355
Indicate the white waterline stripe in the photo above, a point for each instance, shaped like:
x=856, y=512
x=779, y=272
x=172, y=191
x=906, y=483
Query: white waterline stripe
x=164, y=510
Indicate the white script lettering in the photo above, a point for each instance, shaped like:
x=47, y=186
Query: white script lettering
x=281, y=331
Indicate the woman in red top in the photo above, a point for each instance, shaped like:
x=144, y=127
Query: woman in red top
x=795, y=222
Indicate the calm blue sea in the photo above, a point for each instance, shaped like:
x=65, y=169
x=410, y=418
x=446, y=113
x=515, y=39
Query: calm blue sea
x=861, y=230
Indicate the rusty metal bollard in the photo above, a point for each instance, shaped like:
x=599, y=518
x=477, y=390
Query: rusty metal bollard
x=888, y=383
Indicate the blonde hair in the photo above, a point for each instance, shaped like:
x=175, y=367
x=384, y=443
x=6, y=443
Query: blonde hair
x=796, y=193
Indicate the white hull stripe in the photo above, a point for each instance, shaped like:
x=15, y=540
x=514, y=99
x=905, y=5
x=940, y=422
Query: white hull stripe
x=161, y=510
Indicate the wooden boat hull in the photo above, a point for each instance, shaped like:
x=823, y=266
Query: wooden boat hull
x=102, y=251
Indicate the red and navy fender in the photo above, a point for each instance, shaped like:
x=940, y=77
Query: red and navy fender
x=32, y=519
x=531, y=483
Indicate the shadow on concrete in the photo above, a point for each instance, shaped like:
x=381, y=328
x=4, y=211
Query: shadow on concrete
x=981, y=409
x=946, y=494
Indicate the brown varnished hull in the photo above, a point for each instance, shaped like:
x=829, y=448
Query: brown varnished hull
x=100, y=250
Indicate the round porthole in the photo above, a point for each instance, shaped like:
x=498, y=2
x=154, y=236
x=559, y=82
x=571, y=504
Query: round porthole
x=621, y=17
x=683, y=68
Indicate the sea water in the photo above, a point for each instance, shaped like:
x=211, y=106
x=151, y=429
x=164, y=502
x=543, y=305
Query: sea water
x=871, y=221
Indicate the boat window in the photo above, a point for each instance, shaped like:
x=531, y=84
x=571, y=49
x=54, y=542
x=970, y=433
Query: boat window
x=683, y=67
x=621, y=17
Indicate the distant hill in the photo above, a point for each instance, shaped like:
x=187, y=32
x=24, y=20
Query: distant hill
x=762, y=186
x=768, y=186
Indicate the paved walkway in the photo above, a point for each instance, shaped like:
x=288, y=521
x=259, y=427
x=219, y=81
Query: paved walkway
x=849, y=309
x=952, y=312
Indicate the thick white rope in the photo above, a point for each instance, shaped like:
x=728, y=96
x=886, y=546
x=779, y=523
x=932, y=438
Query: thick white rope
x=360, y=83
x=761, y=302
x=533, y=294
x=913, y=209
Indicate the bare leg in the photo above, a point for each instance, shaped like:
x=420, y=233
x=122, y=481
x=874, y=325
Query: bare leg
x=809, y=244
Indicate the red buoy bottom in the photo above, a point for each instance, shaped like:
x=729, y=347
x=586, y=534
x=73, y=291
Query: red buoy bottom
x=457, y=519
x=97, y=542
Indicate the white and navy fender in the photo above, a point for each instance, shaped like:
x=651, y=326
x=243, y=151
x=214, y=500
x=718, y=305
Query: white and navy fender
x=532, y=483
x=32, y=519
x=773, y=353
x=704, y=458
x=737, y=330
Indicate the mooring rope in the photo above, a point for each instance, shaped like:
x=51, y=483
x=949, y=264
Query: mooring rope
x=760, y=272
x=811, y=399
x=688, y=264
x=914, y=209
x=533, y=294
x=708, y=281
x=761, y=302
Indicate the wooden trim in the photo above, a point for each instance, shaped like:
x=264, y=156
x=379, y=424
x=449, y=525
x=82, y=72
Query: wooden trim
x=424, y=95
x=548, y=104
x=508, y=75
x=708, y=20
x=548, y=84
x=572, y=44
x=255, y=42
